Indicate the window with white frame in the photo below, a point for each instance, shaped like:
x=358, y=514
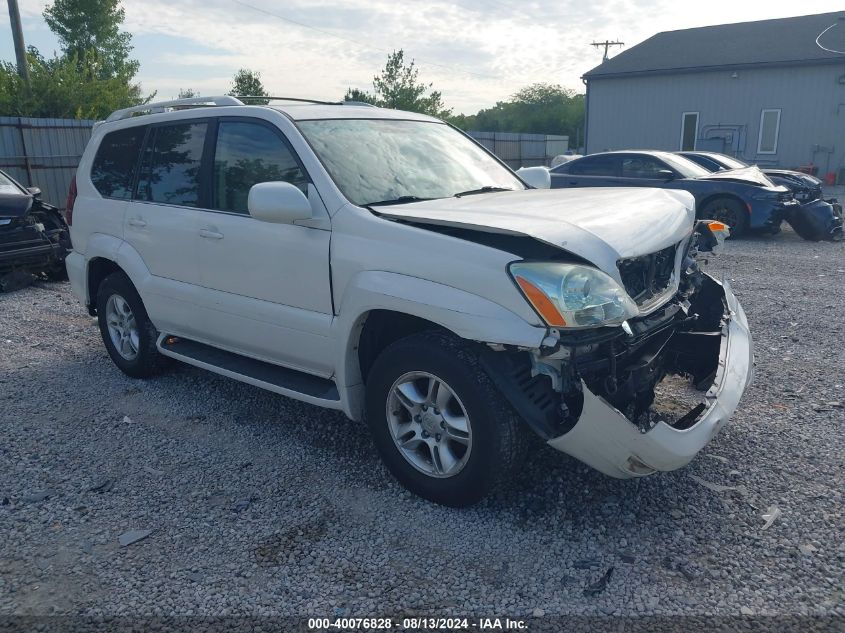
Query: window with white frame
x=689, y=131
x=767, y=142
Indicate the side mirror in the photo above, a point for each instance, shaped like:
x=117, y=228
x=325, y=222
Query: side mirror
x=35, y=192
x=536, y=177
x=278, y=202
x=666, y=174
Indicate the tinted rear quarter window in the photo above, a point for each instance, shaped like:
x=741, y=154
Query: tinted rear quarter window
x=171, y=171
x=113, y=171
x=595, y=166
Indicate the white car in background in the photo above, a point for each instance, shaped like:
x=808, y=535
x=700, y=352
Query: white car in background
x=383, y=264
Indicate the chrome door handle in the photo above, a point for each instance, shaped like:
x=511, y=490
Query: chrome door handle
x=137, y=222
x=212, y=235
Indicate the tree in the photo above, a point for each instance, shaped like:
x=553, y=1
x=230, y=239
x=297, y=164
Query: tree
x=538, y=109
x=64, y=87
x=248, y=83
x=91, y=29
x=187, y=93
x=398, y=87
x=362, y=96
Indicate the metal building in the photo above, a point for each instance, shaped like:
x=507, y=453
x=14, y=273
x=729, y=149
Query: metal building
x=770, y=92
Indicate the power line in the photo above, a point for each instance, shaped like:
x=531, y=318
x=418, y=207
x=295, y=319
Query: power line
x=357, y=43
x=606, y=44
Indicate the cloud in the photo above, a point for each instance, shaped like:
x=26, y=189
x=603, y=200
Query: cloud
x=474, y=51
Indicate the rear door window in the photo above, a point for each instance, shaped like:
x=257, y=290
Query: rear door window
x=172, y=166
x=116, y=161
x=595, y=166
x=248, y=153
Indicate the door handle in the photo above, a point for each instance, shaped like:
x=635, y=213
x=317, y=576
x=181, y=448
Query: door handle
x=573, y=182
x=212, y=235
x=137, y=222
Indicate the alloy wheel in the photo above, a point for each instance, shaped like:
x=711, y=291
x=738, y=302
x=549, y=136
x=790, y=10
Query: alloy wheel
x=123, y=329
x=429, y=424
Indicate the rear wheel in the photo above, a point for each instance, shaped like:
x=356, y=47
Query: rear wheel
x=438, y=422
x=727, y=210
x=128, y=334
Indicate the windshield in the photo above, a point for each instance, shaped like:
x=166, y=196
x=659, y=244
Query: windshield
x=684, y=166
x=378, y=160
x=731, y=163
x=7, y=185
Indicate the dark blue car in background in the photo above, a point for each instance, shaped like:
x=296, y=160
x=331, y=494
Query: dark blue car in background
x=816, y=219
x=744, y=199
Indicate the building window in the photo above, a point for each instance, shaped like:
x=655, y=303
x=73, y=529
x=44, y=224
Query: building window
x=689, y=131
x=767, y=143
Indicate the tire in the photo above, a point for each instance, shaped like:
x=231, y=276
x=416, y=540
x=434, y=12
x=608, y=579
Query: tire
x=139, y=358
x=496, y=440
x=727, y=210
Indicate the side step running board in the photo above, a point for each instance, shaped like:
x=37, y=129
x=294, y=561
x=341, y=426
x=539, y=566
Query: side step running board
x=281, y=380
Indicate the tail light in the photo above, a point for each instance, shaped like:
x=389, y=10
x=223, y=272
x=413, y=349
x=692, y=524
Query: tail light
x=71, y=200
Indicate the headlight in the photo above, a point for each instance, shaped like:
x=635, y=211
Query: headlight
x=767, y=194
x=573, y=296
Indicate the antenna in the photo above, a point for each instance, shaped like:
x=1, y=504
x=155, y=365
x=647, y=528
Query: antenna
x=606, y=44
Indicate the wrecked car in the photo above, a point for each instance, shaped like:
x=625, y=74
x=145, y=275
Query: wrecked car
x=384, y=264
x=743, y=199
x=815, y=219
x=34, y=237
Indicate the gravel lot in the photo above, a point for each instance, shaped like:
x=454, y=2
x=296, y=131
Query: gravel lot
x=261, y=505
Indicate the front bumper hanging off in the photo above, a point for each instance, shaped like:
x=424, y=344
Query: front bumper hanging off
x=609, y=442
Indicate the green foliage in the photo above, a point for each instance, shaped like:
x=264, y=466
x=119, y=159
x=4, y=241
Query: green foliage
x=92, y=77
x=64, y=87
x=248, y=83
x=187, y=93
x=398, y=87
x=354, y=94
x=89, y=30
x=536, y=109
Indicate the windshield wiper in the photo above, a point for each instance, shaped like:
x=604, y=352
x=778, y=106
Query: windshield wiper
x=487, y=189
x=399, y=200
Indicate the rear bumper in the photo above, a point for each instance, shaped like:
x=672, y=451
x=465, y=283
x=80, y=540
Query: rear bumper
x=77, y=274
x=29, y=257
x=606, y=440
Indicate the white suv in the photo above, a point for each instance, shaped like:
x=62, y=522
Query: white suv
x=384, y=264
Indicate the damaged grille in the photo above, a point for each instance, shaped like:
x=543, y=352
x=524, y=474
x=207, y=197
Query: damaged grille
x=646, y=276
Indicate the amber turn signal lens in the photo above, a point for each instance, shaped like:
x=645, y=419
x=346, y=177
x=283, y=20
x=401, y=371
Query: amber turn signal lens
x=541, y=303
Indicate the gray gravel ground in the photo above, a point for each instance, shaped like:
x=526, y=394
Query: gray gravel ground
x=262, y=505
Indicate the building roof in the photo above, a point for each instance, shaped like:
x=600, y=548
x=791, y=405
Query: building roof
x=781, y=42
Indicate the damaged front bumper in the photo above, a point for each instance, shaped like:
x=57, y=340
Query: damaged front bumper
x=607, y=440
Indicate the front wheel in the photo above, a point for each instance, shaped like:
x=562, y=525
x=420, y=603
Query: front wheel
x=440, y=425
x=727, y=210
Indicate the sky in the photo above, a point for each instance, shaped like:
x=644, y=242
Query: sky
x=476, y=52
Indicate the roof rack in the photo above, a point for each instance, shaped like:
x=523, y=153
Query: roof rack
x=223, y=100
x=296, y=99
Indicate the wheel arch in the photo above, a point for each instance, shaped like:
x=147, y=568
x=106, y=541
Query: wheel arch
x=380, y=307
x=718, y=196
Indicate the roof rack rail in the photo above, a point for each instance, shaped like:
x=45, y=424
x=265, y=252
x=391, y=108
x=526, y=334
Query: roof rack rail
x=296, y=99
x=160, y=106
x=223, y=100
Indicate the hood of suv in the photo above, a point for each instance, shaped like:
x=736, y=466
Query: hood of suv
x=601, y=225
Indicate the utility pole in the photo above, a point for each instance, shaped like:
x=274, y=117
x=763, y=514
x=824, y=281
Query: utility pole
x=17, y=36
x=606, y=44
